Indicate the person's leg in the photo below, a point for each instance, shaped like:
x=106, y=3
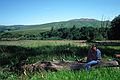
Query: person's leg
x=88, y=65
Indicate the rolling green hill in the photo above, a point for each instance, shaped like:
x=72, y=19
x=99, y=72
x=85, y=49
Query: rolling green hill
x=30, y=29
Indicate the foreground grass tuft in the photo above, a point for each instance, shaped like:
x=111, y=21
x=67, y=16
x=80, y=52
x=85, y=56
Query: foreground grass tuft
x=94, y=74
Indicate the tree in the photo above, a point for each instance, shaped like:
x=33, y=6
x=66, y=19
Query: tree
x=114, y=32
x=52, y=28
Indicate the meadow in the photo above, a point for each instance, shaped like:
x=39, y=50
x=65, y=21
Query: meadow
x=12, y=52
x=30, y=31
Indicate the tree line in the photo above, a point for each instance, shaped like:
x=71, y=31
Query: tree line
x=74, y=33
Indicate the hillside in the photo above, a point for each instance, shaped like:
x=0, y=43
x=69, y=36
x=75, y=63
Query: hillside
x=77, y=22
x=29, y=29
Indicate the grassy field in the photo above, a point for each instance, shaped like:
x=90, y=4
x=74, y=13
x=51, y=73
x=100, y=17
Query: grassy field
x=37, y=43
x=30, y=31
x=94, y=74
x=35, y=50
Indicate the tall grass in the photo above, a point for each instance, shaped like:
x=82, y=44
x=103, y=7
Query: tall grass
x=34, y=50
x=12, y=52
x=94, y=74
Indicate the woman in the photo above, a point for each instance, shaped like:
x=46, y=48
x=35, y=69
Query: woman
x=94, y=57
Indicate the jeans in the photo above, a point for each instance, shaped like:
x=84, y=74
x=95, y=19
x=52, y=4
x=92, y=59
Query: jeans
x=88, y=65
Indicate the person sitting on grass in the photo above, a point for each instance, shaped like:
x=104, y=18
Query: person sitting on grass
x=94, y=57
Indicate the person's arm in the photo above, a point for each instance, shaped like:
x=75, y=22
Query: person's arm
x=98, y=55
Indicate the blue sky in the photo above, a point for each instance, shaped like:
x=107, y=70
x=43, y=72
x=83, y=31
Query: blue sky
x=18, y=12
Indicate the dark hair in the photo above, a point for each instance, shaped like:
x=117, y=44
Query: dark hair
x=93, y=45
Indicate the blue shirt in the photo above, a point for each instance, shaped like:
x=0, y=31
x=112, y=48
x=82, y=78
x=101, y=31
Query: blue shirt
x=94, y=55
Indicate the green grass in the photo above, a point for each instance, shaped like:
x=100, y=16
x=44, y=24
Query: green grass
x=37, y=50
x=111, y=47
x=94, y=74
x=30, y=31
x=37, y=43
x=100, y=74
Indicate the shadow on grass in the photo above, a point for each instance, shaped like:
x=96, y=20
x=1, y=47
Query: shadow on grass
x=14, y=54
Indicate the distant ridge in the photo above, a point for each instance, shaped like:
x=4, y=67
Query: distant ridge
x=85, y=20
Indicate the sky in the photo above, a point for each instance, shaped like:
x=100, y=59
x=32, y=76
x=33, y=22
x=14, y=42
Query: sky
x=31, y=12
